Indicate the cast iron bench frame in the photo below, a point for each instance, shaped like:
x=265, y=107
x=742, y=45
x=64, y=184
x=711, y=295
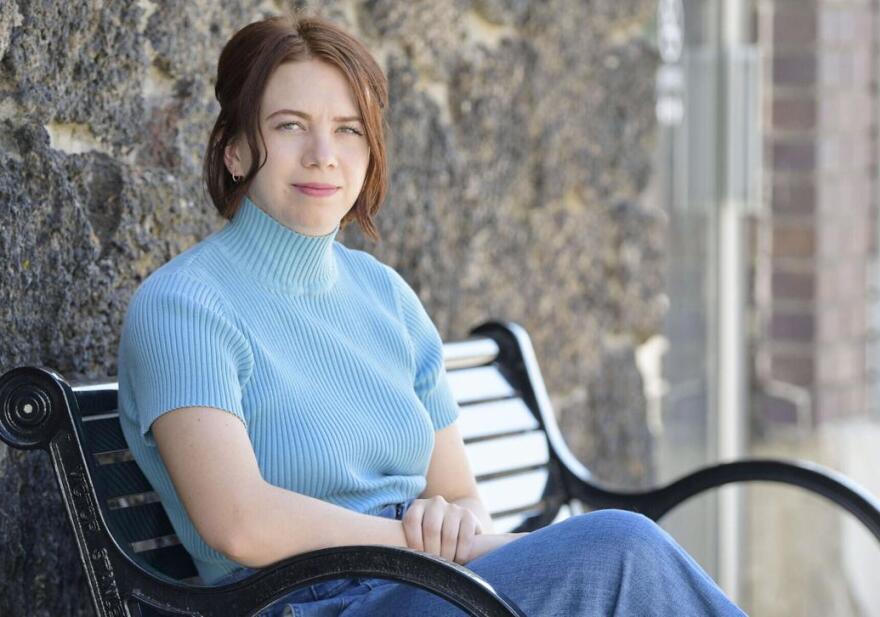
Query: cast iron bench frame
x=39, y=409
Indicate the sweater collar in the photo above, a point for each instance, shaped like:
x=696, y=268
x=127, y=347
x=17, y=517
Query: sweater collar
x=276, y=254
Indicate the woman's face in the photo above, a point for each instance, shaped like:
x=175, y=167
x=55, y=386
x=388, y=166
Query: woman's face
x=317, y=151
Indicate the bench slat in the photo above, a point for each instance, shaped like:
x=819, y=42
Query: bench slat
x=469, y=352
x=172, y=561
x=479, y=384
x=155, y=543
x=495, y=418
x=513, y=492
x=104, y=435
x=506, y=524
x=121, y=479
x=97, y=399
x=139, y=523
x=508, y=453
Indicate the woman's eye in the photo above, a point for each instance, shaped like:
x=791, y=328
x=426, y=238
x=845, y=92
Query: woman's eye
x=286, y=124
x=351, y=130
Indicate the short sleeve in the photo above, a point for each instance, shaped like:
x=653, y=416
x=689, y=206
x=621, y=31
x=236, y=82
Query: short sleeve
x=179, y=348
x=430, y=382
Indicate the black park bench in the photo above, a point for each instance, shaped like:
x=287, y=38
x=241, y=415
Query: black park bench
x=527, y=477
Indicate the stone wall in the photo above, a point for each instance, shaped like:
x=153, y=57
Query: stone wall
x=521, y=140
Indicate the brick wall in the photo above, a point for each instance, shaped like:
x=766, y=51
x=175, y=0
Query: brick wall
x=820, y=101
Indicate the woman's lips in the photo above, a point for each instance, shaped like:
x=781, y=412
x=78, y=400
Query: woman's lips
x=317, y=190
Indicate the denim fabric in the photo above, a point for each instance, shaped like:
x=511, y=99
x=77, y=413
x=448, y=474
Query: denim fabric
x=608, y=562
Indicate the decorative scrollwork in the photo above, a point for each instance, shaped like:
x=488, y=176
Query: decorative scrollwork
x=84, y=504
x=30, y=407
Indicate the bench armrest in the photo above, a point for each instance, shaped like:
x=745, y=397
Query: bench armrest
x=446, y=579
x=656, y=502
x=38, y=410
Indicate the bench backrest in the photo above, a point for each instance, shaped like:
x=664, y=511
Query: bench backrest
x=501, y=421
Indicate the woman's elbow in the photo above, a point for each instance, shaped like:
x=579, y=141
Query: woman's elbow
x=241, y=549
x=244, y=548
x=235, y=538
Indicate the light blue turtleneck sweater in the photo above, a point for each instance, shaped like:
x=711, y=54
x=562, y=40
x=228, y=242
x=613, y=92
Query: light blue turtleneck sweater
x=325, y=354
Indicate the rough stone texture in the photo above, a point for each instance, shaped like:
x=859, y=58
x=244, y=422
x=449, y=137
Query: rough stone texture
x=521, y=140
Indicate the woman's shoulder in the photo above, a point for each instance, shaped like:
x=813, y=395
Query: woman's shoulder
x=369, y=272
x=185, y=277
x=362, y=263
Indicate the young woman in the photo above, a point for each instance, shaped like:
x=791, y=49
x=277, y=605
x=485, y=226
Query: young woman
x=284, y=393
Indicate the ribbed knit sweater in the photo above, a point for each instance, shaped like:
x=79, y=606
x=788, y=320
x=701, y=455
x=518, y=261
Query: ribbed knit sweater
x=325, y=354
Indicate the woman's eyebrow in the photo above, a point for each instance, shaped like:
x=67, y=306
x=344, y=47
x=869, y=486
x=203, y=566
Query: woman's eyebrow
x=306, y=116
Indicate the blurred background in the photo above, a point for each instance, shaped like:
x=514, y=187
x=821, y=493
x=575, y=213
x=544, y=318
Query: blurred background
x=767, y=169
x=677, y=198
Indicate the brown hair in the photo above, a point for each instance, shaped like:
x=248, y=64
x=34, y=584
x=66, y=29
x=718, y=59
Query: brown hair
x=248, y=60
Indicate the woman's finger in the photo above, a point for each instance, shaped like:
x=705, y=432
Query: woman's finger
x=467, y=529
x=449, y=533
x=412, y=525
x=432, y=524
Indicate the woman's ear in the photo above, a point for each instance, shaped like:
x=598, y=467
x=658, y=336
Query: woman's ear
x=231, y=158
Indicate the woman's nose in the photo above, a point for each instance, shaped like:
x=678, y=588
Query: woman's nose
x=319, y=152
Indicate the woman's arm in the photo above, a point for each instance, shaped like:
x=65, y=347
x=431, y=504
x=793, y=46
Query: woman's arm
x=436, y=522
x=450, y=476
x=214, y=470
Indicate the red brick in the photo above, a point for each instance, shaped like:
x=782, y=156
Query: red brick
x=794, y=27
x=794, y=114
x=793, y=240
x=792, y=326
x=794, y=155
x=793, y=368
x=776, y=410
x=794, y=70
x=792, y=285
x=793, y=195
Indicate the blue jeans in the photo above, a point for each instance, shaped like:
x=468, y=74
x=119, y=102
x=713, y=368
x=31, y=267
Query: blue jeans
x=608, y=562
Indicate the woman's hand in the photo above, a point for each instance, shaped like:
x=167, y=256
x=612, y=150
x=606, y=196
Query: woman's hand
x=449, y=530
x=446, y=529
